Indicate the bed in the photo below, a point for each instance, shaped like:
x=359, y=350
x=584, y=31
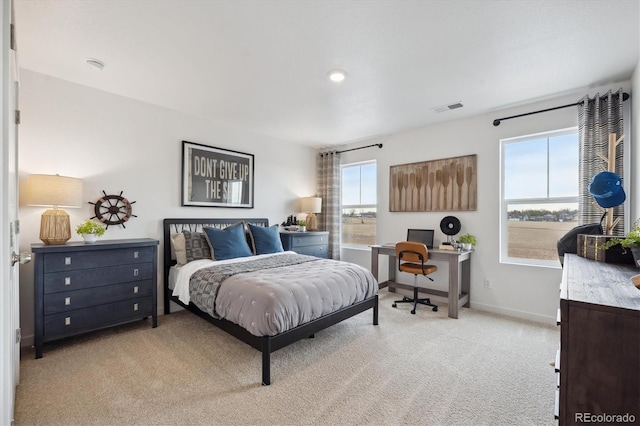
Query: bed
x=232, y=273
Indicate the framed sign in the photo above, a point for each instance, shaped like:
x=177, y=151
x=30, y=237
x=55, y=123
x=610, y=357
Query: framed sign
x=215, y=177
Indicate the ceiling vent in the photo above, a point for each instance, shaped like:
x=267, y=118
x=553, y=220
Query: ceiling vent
x=449, y=107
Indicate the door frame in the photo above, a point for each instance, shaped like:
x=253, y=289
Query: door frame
x=9, y=288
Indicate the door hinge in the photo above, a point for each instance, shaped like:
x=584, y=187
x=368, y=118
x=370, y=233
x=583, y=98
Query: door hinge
x=18, y=335
x=16, y=226
x=12, y=30
x=17, y=116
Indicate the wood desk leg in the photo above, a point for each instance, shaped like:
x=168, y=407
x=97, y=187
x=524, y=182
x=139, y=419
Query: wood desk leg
x=375, y=252
x=454, y=286
x=466, y=279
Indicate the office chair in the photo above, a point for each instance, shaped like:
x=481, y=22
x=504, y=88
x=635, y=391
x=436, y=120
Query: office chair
x=411, y=258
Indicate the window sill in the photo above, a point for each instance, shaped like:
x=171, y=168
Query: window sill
x=530, y=262
x=355, y=247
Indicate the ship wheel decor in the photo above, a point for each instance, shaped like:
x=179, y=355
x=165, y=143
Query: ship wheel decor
x=113, y=209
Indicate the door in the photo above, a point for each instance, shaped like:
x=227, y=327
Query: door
x=9, y=224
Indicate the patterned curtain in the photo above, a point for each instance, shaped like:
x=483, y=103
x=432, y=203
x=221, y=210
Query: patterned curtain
x=329, y=191
x=597, y=119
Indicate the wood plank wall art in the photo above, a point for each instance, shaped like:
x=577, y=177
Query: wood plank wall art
x=448, y=184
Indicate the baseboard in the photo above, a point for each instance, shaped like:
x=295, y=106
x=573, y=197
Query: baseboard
x=514, y=313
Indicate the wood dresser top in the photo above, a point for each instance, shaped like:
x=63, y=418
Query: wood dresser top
x=608, y=284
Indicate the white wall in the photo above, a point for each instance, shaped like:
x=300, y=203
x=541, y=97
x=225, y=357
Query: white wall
x=634, y=193
x=118, y=144
x=520, y=291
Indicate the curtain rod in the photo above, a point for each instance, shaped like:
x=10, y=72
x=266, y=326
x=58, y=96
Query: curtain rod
x=497, y=121
x=379, y=145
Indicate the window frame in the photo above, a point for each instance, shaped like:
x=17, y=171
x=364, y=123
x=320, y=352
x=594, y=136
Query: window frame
x=357, y=206
x=504, y=203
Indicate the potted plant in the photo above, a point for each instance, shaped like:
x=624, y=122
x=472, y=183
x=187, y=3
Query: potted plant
x=468, y=241
x=630, y=241
x=302, y=225
x=90, y=231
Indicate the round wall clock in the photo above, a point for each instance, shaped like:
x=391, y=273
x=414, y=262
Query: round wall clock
x=113, y=209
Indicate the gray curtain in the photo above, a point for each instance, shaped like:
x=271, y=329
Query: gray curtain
x=329, y=191
x=597, y=119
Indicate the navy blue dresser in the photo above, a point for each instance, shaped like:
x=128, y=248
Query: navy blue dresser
x=83, y=287
x=314, y=243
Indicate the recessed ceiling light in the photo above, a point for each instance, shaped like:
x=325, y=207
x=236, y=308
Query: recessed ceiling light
x=337, y=75
x=95, y=64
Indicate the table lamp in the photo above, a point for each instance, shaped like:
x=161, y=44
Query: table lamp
x=54, y=191
x=311, y=206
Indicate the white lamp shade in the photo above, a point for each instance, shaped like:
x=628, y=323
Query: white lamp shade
x=53, y=191
x=311, y=205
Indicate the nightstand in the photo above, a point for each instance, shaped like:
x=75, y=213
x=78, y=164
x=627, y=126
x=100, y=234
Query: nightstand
x=310, y=243
x=83, y=287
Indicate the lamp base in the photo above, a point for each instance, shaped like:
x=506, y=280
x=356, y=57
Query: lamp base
x=312, y=222
x=55, y=228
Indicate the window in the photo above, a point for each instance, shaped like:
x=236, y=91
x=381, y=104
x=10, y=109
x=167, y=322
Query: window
x=359, y=203
x=539, y=194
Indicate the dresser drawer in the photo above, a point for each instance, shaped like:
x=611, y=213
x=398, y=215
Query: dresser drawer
x=72, y=300
x=308, y=240
x=69, y=261
x=318, y=251
x=96, y=317
x=87, y=278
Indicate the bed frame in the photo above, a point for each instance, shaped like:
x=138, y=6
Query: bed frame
x=265, y=344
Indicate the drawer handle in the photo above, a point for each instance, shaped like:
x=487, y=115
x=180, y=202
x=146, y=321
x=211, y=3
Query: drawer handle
x=67, y=280
x=135, y=272
x=67, y=301
x=67, y=321
x=67, y=260
x=135, y=254
x=135, y=306
x=135, y=289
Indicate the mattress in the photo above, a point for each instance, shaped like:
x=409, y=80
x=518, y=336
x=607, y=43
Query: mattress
x=272, y=293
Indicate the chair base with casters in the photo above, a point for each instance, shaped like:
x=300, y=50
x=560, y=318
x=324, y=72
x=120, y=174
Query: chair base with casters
x=408, y=254
x=416, y=301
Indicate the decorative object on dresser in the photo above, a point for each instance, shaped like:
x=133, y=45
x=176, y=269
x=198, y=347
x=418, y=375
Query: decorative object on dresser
x=215, y=177
x=113, y=209
x=81, y=288
x=53, y=191
x=311, y=206
x=90, y=231
x=630, y=242
x=310, y=243
x=599, y=356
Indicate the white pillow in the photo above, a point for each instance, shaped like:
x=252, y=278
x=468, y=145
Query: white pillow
x=178, y=249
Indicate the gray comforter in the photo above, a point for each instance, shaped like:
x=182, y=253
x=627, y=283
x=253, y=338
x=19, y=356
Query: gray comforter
x=272, y=295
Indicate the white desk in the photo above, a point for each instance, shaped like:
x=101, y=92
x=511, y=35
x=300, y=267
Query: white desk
x=459, y=274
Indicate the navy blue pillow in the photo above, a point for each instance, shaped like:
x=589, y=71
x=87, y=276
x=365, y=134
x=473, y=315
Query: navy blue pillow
x=265, y=240
x=228, y=243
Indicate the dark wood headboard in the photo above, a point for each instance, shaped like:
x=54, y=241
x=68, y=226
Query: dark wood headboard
x=174, y=226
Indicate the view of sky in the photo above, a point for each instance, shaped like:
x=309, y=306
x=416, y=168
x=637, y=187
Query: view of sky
x=352, y=191
x=526, y=172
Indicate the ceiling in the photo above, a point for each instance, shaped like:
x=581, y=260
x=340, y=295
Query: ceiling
x=262, y=65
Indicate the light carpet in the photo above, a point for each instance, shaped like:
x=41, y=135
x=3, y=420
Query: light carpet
x=427, y=369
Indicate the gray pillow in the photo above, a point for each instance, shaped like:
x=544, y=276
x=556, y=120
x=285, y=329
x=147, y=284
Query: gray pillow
x=196, y=246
